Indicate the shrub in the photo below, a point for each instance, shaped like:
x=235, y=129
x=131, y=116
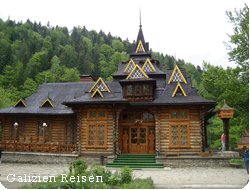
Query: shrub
x=239, y=161
x=78, y=167
x=126, y=174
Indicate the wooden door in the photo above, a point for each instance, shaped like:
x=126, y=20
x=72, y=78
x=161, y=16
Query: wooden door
x=138, y=140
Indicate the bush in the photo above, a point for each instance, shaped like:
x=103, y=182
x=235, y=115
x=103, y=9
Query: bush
x=118, y=180
x=78, y=167
x=126, y=174
x=239, y=161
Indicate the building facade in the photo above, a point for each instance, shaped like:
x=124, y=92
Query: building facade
x=143, y=110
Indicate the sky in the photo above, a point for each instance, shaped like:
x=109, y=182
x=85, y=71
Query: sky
x=190, y=30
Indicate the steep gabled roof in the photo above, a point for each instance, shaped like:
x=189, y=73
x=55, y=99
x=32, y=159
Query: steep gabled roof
x=136, y=73
x=95, y=92
x=47, y=102
x=100, y=84
x=129, y=66
x=148, y=67
x=177, y=76
x=20, y=103
x=178, y=87
x=140, y=48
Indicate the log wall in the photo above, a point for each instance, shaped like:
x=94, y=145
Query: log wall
x=30, y=126
x=83, y=130
x=194, y=126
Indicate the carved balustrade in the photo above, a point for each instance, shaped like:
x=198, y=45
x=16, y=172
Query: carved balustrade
x=42, y=148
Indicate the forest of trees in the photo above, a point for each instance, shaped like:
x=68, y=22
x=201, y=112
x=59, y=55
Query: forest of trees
x=31, y=54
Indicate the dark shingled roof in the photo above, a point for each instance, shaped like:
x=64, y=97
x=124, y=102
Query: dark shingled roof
x=62, y=94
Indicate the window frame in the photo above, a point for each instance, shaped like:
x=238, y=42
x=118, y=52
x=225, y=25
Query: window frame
x=148, y=120
x=178, y=114
x=129, y=120
x=96, y=134
x=96, y=118
x=179, y=140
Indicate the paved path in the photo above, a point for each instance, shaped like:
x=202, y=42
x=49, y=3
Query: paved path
x=176, y=178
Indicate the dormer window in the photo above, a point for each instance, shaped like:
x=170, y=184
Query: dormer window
x=145, y=89
x=129, y=89
x=138, y=92
x=137, y=89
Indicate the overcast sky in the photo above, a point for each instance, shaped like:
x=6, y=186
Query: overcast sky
x=191, y=30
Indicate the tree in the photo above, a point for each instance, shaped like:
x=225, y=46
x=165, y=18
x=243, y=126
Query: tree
x=29, y=87
x=239, y=41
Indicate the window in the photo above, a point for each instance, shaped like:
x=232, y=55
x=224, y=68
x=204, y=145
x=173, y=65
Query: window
x=179, y=135
x=146, y=89
x=137, y=89
x=96, y=135
x=97, y=114
x=127, y=117
x=147, y=117
x=129, y=89
x=96, y=131
x=71, y=130
x=179, y=115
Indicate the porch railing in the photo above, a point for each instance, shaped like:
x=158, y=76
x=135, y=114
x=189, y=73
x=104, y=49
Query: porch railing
x=42, y=148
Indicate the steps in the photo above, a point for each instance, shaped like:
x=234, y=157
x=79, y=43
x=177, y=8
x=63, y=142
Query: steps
x=136, y=161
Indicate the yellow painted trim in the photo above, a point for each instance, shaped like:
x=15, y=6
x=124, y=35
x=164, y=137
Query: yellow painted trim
x=20, y=100
x=100, y=79
x=140, y=43
x=137, y=66
x=149, y=63
x=47, y=100
x=179, y=85
x=176, y=67
x=97, y=90
x=131, y=60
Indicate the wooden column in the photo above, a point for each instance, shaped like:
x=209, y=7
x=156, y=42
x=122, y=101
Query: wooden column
x=15, y=134
x=226, y=131
x=205, y=131
x=225, y=113
x=118, y=112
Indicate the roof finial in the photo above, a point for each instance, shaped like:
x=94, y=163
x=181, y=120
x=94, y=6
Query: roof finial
x=224, y=101
x=48, y=95
x=140, y=17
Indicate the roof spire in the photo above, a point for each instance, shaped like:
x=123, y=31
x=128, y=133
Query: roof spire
x=140, y=18
x=48, y=95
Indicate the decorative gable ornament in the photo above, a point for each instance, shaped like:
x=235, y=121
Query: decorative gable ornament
x=179, y=91
x=47, y=103
x=130, y=66
x=148, y=67
x=97, y=93
x=99, y=84
x=137, y=73
x=20, y=103
x=140, y=48
x=177, y=76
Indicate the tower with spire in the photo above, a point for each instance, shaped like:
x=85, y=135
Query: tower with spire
x=140, y=48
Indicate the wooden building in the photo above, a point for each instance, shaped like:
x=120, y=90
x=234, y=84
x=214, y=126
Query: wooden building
x=143, y=110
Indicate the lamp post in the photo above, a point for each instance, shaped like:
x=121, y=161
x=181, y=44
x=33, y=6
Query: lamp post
x=226, y=113
x=44, y=126
x=15, y=125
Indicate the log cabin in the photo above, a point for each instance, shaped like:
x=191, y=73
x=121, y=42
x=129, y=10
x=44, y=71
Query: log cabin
x=144, y=110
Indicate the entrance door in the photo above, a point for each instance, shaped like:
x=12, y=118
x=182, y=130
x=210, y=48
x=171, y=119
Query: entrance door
x=138, y=140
